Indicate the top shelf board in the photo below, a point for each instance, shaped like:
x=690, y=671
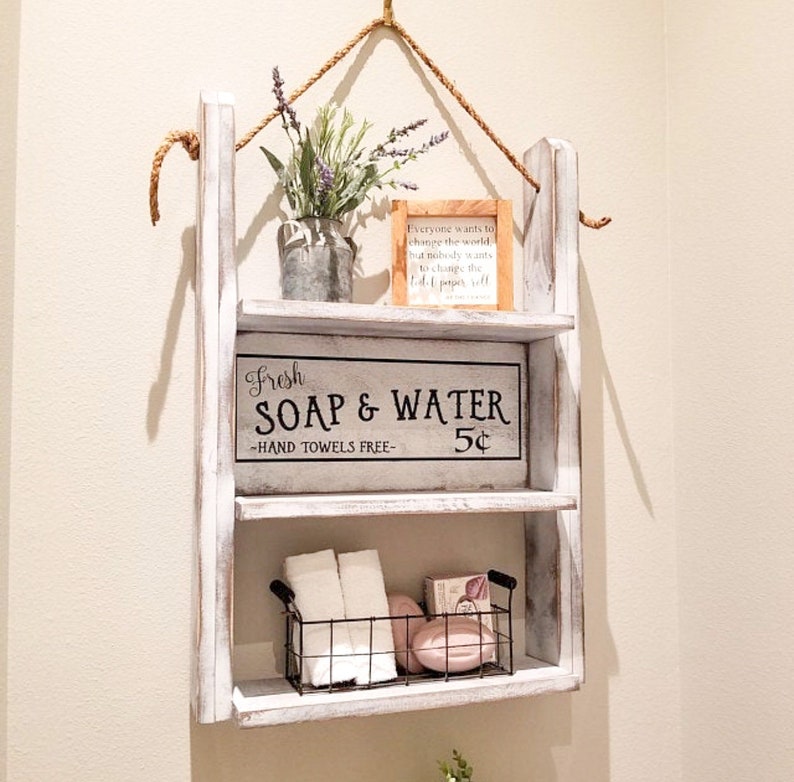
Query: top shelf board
x=402, y=322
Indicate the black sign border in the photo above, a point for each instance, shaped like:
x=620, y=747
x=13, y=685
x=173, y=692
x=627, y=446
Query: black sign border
x=517, y=365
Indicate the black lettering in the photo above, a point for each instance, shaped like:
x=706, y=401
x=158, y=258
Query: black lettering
x=295, y=415
x=336, y=401
x=261, y=408
x=314, y=410
x=405, y=409
x=432, y=402
x=456, y=392
x=366, y=411
x=476, y=403
x=494, y=398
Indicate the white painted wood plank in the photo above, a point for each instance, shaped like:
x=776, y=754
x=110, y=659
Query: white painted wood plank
x=568, y=419
x=207, y=380
x=227, y=333
x=542, y=368
x=542, y=583
x=216, y=297
x=335, y=505
x=384, y=321
x=286, y=706
x=551, y=276
x=539, y=231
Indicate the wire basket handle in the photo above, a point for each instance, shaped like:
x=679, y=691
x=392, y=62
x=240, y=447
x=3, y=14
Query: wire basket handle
x=283, y=593
x=502, y=579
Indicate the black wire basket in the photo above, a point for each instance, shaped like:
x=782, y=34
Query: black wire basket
x=490, y=646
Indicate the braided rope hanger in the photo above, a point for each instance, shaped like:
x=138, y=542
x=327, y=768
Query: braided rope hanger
x=192, y=145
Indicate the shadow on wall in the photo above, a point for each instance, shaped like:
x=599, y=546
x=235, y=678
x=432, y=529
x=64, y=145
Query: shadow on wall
x=342, y=92
x=392, y=748
x=604, y=382
x=186, y=279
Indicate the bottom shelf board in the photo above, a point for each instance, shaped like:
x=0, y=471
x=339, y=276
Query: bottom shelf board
x=274, y=702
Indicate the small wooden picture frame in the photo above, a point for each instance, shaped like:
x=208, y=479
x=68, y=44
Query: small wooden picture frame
x=455, y=254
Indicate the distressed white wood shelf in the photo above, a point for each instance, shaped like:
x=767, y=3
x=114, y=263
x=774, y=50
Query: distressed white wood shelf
x=274, y=702
x=400, y=504
x=407, y=322
x=549, y=645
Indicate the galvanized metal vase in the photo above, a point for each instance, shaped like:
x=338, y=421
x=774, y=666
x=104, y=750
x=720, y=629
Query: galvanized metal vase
x=316, y=260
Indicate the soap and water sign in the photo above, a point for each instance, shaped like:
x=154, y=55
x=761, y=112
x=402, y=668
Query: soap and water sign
x=310, y=408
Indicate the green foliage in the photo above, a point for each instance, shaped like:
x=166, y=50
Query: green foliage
x=457, y=771
x=329, y=172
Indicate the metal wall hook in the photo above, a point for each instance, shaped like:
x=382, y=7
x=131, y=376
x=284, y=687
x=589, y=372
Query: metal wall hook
x=388, y=14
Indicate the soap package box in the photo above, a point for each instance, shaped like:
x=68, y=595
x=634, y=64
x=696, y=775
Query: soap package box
x=466, y=594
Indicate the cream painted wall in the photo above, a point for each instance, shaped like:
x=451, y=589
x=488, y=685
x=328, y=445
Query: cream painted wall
x=100, y=493
x=732, y=183
x=9, y=57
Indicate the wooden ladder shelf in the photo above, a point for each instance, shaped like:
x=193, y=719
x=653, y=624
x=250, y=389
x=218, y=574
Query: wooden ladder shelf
x=550, y=650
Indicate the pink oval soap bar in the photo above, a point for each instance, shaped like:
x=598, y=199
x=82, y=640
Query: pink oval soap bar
x=454, y=644
x=406, y=619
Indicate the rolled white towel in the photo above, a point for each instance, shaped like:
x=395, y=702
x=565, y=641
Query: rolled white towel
x=314, y=579
x=365, y=596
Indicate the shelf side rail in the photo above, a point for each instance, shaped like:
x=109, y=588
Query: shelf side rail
x=555, y=622
x=216, y=313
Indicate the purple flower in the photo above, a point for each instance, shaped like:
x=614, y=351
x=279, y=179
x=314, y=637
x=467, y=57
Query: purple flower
x=435, y=140
x=329, y=171
x=409, y=153
x=282, y=104
x=395, y=134
x=326, y=179
x=380, y=151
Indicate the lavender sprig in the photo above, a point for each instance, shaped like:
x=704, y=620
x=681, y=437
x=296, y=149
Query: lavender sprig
x=392, y=153
x=326, y=180
x=395, y=134
x=283, y=105
x=409, y=153
x=436, y=140
x=380, y=151
x=329, y=172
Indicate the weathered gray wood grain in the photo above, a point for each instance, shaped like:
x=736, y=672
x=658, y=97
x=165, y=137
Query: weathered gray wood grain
x=555, y=629
x=216, y=297
x=441, y=414
x=313, y=317
x=398, y=504
x=272, y=702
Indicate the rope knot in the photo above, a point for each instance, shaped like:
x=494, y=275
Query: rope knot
x=190, y=142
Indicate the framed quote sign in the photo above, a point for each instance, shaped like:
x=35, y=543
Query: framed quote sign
x=455, y=254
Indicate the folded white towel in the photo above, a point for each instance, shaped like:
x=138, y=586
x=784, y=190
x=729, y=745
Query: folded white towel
x=365, y=596
x=326, y=648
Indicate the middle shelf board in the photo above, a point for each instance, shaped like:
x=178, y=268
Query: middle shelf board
x=343, y=319
x=393, y=503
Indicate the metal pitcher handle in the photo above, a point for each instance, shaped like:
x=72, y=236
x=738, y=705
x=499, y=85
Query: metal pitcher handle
x=289, y=230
